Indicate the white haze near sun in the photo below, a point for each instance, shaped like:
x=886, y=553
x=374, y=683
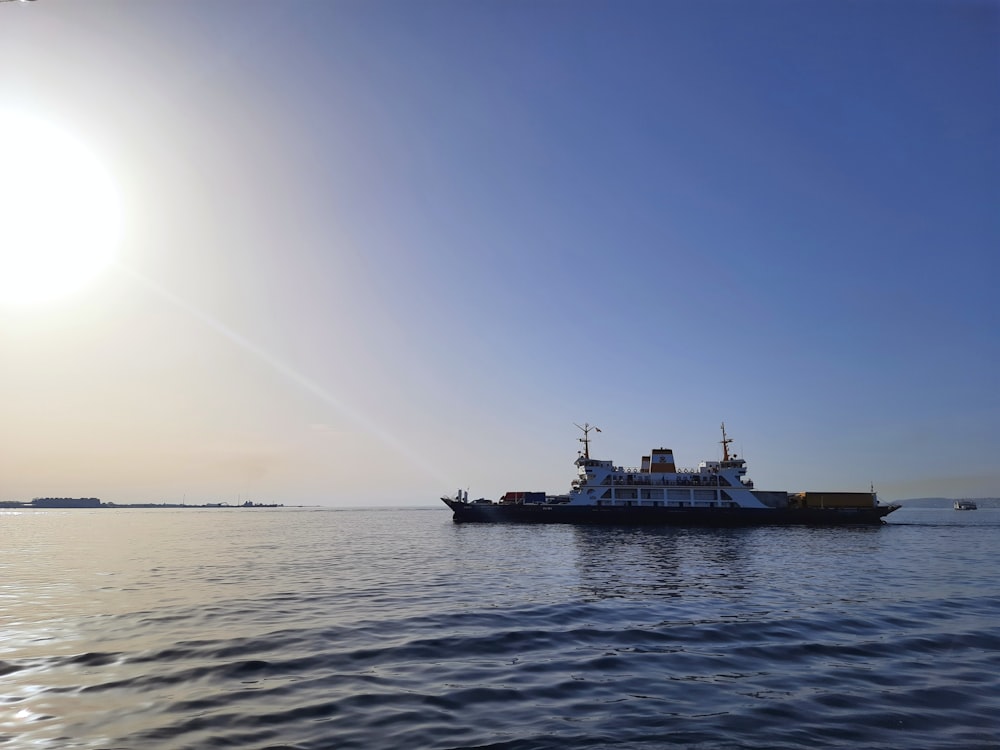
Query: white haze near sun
x=60, y=210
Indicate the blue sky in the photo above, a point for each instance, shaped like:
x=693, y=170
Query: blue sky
x=377, y=250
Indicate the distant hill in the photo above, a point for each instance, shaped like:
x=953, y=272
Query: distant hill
x=947, y=502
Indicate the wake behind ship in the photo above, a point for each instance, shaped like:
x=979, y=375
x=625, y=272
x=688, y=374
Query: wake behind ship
x=716, y=494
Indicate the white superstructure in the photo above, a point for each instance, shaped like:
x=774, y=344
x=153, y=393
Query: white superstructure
x=657, y=482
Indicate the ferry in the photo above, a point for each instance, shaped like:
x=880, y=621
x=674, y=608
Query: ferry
x=716, y=494
x=965, y=505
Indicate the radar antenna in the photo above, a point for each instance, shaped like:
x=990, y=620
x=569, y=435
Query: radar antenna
x=586, y=427
x=725, y=443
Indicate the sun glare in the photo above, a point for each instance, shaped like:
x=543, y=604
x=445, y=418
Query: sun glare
x=59, y=212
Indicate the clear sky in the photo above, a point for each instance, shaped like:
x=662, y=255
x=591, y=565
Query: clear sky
x=374, y=251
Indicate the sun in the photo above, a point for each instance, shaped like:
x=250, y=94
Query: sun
x=60, y=215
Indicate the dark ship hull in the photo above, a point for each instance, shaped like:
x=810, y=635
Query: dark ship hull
x=665, y=516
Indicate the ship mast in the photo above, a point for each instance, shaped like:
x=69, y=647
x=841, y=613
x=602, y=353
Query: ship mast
x=725, y=443
x=586, y=427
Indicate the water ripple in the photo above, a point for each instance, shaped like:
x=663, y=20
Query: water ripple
x=399, y=629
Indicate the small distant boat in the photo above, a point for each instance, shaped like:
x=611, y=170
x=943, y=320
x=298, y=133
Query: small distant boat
x=965, y=505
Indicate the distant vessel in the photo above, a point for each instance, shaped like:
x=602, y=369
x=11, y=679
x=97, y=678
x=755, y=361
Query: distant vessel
x=965, y=505
x=658, y=493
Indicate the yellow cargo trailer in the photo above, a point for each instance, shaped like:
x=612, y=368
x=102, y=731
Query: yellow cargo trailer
x=832, y=500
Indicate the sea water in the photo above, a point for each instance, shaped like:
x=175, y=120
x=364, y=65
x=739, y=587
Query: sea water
x=320, y=628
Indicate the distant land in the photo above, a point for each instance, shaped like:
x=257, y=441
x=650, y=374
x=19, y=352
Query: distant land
x=93, y=502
